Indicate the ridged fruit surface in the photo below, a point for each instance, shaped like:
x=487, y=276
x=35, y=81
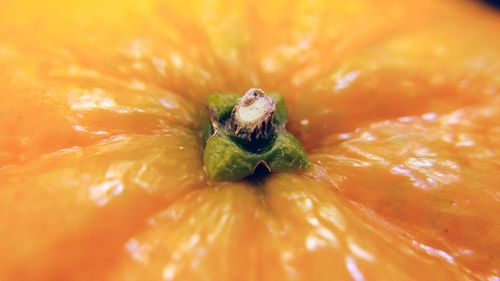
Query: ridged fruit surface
x=101, y=172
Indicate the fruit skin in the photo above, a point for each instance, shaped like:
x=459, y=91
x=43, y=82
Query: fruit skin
x=221, y=105
x=228, y=158
x=102, y=173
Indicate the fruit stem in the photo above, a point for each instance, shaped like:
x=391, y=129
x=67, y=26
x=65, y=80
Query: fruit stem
x=251, y=118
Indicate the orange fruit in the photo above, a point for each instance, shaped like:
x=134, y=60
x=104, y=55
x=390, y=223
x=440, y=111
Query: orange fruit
x=101, y=173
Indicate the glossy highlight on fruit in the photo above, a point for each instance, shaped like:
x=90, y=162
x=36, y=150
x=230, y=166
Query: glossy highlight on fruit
x=103, y=105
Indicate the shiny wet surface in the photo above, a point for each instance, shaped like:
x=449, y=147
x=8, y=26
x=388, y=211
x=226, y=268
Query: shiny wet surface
x=100, y=155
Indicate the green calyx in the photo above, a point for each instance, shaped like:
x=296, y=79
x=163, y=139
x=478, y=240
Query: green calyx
x=246, y=132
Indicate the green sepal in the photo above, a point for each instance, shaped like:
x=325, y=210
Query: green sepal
x=221, y=104
x=226, y=160
x=208, y=131
x=281, y=114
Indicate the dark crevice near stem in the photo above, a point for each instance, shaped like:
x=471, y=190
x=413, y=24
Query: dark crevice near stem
x=259, y=175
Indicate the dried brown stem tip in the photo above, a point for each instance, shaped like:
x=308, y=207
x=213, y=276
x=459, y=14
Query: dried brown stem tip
x=251, y=118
